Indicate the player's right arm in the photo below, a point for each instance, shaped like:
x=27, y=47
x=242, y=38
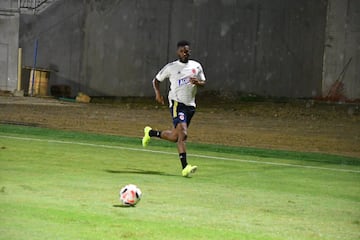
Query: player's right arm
x=158, y=97
x=161, y=76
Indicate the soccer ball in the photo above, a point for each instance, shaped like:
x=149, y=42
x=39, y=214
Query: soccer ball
x=130, y=195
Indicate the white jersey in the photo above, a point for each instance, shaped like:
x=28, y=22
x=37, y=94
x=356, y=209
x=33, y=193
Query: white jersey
x=179, y=74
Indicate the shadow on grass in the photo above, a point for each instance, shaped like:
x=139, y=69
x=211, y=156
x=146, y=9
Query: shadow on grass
x=139, y=171
x=123, y=206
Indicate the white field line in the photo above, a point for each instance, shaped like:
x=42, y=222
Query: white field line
x=169, y=153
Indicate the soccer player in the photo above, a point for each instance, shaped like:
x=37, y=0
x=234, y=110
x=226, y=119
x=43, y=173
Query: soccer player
x=185, y=76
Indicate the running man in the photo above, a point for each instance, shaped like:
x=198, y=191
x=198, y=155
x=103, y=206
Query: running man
x=184, y=76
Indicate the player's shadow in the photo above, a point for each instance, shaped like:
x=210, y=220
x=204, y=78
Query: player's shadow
x=139, y=171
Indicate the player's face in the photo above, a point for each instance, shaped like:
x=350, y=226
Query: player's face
x=183, y=53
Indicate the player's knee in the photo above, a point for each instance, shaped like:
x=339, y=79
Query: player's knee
x=181, y=132
x=185, y=136
x=182, y=135
x=174, y=136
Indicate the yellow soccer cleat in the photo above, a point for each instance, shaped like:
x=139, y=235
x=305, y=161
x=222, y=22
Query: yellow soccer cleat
x=188, y=170
x=146, y=138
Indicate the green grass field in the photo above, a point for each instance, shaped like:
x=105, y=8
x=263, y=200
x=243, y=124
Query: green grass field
x=63, y=185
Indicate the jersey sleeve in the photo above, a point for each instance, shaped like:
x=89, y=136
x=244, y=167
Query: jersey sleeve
x=201, y=74
x=163, y=73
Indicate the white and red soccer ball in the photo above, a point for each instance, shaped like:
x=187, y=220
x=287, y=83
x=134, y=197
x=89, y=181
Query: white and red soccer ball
x=130, y=195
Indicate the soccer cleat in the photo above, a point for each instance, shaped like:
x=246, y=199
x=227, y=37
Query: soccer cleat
x=146, y=138
x=188, y=170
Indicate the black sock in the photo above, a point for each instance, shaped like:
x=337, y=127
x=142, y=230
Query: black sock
x=183, y=160
x=153, y=133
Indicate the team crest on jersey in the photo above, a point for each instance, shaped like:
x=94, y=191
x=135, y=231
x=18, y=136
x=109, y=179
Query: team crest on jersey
x=181, y=116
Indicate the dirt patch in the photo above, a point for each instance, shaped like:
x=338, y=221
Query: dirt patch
x=300, y=125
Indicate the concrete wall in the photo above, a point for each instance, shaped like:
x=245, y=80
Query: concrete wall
x=9, y=38
x=342, y=46
x=115, y=47
x=265, y=47
x=59, y=32
x=125, y=44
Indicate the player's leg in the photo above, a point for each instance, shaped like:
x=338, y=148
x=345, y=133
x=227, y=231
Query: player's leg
x=181, y=132
x=181, y=115
x=178, y=135
x=170, y=135
x=187, y=169
x=184, y=117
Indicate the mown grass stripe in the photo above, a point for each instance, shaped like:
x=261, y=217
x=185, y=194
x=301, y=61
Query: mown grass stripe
x=193, y=155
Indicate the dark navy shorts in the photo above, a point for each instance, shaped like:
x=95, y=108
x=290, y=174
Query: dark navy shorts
x=181, y=113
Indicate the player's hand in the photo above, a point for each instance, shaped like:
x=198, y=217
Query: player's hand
x=160, y=99
x=196, y=81
x=193, y=80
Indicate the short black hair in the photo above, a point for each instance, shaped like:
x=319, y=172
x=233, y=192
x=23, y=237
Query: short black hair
x=183, y=43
